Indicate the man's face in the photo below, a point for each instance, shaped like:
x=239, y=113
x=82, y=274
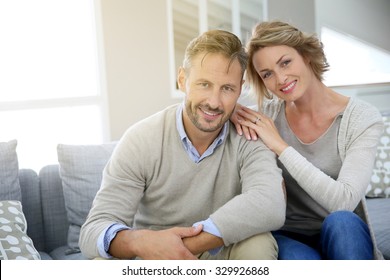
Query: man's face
x=212, y=88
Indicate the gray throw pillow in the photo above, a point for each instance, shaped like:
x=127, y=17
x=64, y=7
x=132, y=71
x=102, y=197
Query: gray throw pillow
x=9, y=172
x=81, y=168
x=15, y=244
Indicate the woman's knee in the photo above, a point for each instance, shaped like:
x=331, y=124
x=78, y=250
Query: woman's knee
x=291, y=249
x=342, y=220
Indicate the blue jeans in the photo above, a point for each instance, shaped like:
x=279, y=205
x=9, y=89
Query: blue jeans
x=343, y=236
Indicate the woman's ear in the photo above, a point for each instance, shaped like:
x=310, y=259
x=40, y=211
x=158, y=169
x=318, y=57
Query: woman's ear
x=306, y=60
x=181, y=79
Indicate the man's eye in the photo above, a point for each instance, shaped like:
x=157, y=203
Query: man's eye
x=228, y=89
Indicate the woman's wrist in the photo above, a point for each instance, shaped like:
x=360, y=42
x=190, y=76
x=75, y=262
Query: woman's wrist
x=280, y=149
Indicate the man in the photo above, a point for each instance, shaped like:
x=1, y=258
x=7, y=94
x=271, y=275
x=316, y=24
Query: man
x=182, y=184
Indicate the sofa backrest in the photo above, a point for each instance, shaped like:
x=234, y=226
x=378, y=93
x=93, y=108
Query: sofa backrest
x=31, y=202
x=54, y=215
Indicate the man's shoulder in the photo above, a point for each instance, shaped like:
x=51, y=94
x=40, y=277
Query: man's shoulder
x=153, y=126
x=247, y=152
x=156, y=118
x=240, y=142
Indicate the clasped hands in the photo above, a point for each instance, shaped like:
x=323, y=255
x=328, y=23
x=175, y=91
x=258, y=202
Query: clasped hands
x=178, y=243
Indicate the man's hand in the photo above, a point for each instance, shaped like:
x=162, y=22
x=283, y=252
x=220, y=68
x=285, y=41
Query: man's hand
x=202, y=242
x=153, y=245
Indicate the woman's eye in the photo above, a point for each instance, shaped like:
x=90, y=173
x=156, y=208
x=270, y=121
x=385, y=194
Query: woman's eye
x=204, y=85
x=285, y=63
x=266, y=75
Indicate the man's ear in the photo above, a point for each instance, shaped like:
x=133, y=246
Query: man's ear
x=181, y=79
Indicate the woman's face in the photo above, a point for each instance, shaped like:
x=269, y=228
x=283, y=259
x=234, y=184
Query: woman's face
x=284, y=71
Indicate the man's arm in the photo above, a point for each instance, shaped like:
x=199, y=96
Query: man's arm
x=202, y=242
x=148, y=244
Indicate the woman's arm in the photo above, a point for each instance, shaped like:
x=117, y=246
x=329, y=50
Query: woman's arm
x=347, y=190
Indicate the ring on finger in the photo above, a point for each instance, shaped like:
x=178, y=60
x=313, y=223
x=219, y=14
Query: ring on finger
x=256, y=120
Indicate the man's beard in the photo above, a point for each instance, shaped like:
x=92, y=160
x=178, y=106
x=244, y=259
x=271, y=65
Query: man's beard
x=194, y=117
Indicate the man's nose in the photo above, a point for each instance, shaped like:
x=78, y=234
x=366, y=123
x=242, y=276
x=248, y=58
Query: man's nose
x=214, y=98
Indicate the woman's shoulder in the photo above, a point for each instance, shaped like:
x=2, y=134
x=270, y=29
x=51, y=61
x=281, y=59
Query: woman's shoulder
x=271, y=107
x=361, y=110
x=360, y=117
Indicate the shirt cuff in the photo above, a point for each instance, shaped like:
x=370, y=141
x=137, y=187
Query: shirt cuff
x=105, y=238
x=210, y=227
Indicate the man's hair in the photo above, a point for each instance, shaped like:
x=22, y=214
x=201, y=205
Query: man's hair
x=216, y=41
x=277, y=33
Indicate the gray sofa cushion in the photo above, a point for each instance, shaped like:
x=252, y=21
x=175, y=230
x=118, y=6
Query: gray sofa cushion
x=53, y=208
x=9, y=172
x=31, y=201
x=81, y=168
x=63, y=253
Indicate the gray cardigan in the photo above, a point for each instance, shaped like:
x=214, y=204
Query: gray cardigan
x=360, y=129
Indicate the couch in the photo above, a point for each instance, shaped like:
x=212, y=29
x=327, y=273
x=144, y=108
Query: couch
x=50, y=206
x=46, y=215
x=56, y=201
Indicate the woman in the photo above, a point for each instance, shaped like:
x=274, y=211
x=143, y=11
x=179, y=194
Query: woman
x=325, y=143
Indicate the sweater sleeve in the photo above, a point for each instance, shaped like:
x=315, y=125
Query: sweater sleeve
x=119, y=195
x=349, y=188
x=261, y=205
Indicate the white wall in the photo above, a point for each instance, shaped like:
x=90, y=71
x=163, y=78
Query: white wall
x=368, y=21
x=136, y=54
x=300, y=13
x=135, y=36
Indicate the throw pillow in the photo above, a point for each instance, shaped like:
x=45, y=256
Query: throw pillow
x=380, y=179
x=9, y=172
x=14, y=242
x=81, y=168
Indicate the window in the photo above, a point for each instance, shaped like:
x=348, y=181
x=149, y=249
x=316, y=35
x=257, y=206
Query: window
x=353, y=61
x=50, y=80
x=189, y=18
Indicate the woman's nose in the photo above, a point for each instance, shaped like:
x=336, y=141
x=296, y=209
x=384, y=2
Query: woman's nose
x=282, y=78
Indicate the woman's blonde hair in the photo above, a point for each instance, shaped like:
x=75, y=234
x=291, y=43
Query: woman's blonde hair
x=276, y=33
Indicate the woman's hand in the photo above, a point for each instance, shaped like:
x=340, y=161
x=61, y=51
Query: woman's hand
x=263, y=126
x=249, y=133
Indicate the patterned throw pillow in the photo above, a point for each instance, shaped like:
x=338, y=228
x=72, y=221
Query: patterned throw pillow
x=14, y=242
x=380, y=179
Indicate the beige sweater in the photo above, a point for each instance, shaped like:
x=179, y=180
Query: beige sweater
x=150, y=182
